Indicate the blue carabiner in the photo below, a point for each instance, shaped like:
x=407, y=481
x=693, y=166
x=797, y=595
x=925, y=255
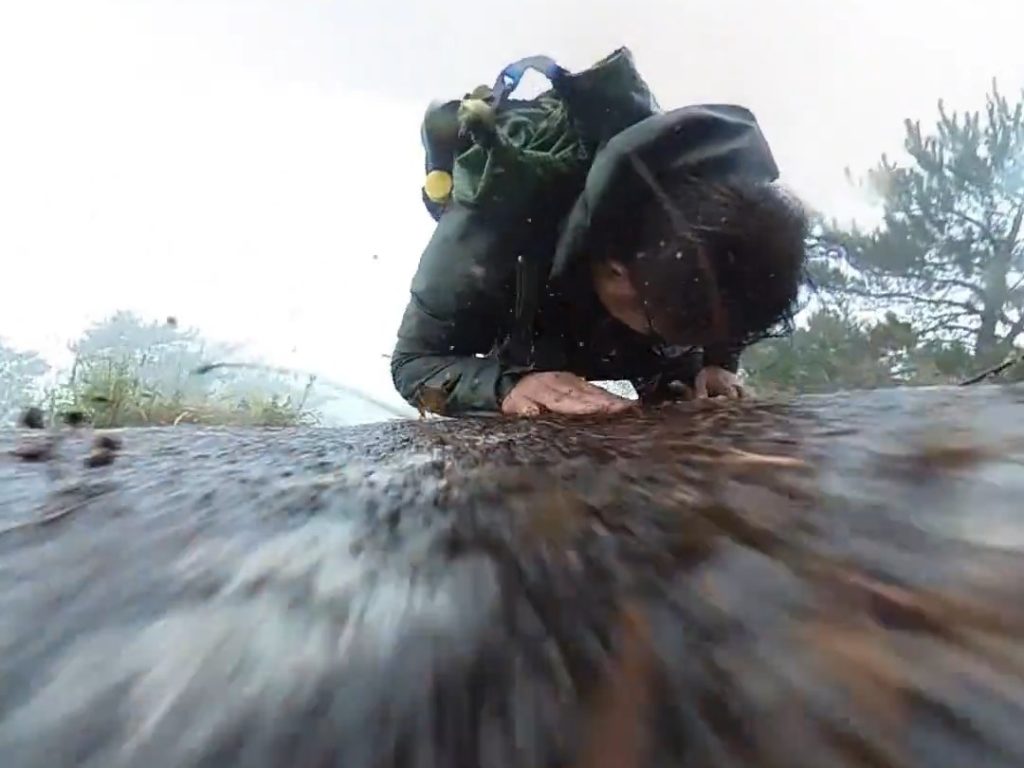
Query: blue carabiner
x=511, y=75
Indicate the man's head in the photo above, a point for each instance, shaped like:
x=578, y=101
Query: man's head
x=703, y=262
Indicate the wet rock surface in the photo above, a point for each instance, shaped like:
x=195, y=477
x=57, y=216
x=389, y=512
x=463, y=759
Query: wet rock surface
x=834, y=581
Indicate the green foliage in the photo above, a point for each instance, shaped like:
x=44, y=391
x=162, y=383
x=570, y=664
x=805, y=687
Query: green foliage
x=836, y=350
x=936, y=294
x=833, y=351
x=128, y=372
x=950, y=256
x=113, y=393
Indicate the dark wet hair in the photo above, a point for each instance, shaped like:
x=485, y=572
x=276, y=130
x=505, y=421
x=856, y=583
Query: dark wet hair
x=718, y=261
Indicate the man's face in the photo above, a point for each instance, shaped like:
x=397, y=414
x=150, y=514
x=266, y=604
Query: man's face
x=620, y=297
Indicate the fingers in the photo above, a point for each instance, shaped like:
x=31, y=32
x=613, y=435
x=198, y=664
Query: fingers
x=700, y=386
x=530, y=410
x=577, y=387
x=517, y=404
x=711, y=383
x=597, y=394
x=562, y=393
x=612, y=403
x=582, y=400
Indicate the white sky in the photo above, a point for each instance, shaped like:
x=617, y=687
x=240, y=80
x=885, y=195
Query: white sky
x=239, y=164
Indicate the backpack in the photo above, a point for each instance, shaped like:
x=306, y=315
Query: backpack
x=493, y=162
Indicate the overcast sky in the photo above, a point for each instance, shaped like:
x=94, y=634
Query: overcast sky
x=253, y=166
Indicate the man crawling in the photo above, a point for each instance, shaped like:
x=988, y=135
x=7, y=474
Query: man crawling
x=677, y=250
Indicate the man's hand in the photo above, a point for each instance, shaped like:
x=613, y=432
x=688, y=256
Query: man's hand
x=713, y=381
x=560, y=392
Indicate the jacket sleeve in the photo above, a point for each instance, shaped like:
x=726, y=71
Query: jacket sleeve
x=444, y=365
x=460, y=308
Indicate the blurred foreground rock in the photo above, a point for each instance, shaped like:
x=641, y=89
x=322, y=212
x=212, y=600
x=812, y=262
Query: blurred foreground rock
x=835, y=581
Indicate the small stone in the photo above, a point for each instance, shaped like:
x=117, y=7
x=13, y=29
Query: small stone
x=35, y=449
x=74, y=418
x=32, y=418
x=100, y=457
x=107, y=442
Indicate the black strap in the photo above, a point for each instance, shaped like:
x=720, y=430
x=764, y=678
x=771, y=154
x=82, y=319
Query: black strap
x=520, y=342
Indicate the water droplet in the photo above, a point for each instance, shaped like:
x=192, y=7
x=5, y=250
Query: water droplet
x=519, y=258
x=679, y=254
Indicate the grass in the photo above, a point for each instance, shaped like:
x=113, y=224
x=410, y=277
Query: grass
x=115, y=393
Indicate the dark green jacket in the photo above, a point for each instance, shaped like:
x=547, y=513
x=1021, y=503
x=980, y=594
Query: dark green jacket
x=462, y=343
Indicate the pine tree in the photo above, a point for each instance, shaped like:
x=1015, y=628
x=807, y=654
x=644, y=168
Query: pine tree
x=950, y=256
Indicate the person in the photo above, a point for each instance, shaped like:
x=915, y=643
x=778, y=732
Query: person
x=680, y=250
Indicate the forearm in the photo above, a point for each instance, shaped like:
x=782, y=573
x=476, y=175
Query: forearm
x=444, y=359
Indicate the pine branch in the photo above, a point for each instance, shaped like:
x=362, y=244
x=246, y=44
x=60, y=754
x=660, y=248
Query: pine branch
x=953, y=282
x=985, y=230
x=856, y=257
x=1018, y=218
x=963, y=330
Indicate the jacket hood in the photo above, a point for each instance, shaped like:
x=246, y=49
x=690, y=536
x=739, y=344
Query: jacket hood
x=712, y=141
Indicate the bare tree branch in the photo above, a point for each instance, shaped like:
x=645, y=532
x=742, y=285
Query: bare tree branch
x=955, y=283
x=993, y=371
x=1018, y=218
x=946, y=323
x=917, y=299
x=1015, y=330
x=985, y=230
